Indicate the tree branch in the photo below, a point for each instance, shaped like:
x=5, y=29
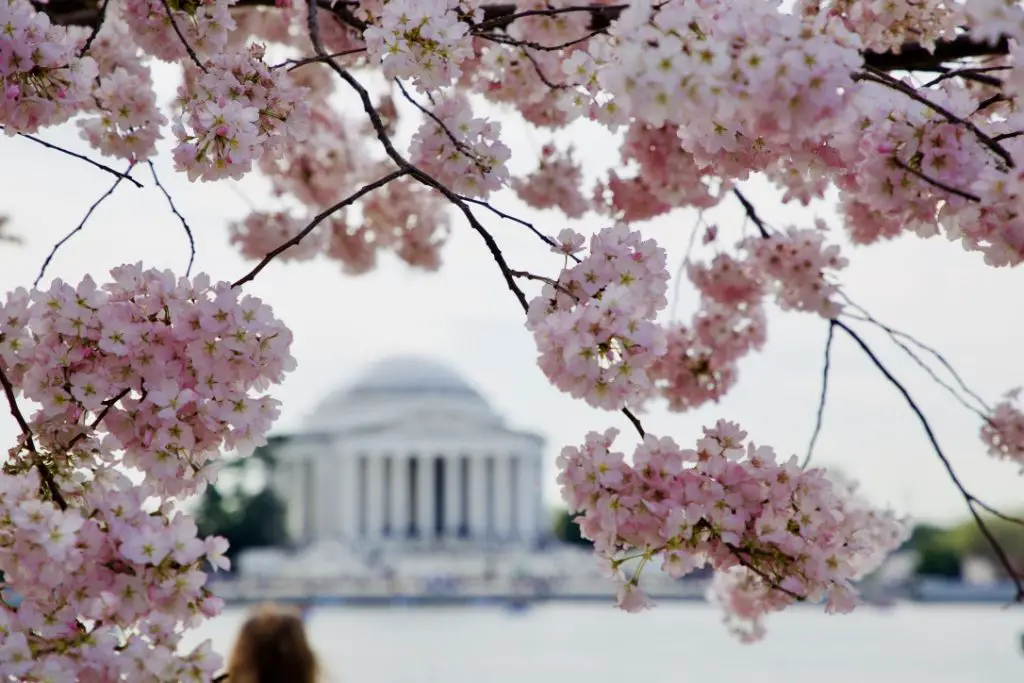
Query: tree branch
x=970, y=499
x=751, y=213
x=81, y=225
x=184, y=223
x=102, y=167
x=97, y=25
x=402, y=163
x=12, y=401
x=320, y=218
x=188, y=48
x=882, y=78
x=824, y=395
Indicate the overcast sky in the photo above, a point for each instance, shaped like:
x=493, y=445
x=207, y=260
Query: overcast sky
x=465, y=316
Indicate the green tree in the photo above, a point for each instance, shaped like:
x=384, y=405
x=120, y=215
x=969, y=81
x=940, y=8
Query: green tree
x=247, y=519
x=568, y=531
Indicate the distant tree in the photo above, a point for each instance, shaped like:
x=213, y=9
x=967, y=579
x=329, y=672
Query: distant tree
x=568, y=531
x=247, y=519
x=939, y=559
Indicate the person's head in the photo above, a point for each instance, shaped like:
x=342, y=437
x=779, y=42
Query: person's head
x=272, y=648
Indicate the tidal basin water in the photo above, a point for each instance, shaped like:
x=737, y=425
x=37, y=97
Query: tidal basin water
x=677, y=643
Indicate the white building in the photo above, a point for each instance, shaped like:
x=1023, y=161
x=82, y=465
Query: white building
x=410, y=457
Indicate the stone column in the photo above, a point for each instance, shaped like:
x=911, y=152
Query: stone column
x=527, y=492
x=309, y=501
x=502, y=497
x=329, y=505
x=478, y=497
x=453, y=496
x=399, y=496
x=375, y=498
x=425, y=496
x=348, y=491
x=291, y=494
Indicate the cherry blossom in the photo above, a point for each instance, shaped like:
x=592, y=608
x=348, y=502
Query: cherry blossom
x=153, y=373
x=778, y=532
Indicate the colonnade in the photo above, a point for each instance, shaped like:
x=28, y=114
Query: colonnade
x=376, y=498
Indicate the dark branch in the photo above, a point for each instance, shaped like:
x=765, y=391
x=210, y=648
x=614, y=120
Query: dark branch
x=12, y=401
x=95, y=204
x=320, y=218
x=498, y=212
x=97, y=25
x=898, y=335
x=824, y=396
x=970, y=499
x=184, y=223
x=751, y=213
x=936, y=183
x=882, y=78
x=84, y=158
x=181, y=36
x=414, y=172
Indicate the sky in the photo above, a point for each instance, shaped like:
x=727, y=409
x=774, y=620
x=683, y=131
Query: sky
x=465, y=316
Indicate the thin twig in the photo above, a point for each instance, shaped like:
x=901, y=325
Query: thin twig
x=293, y=64
x=107, y=405
x=26, y=433
x=896, y=335
x=967, y=496
x=188, y=48
x=824, y=395
x=95, y=204
x=95, y=28
x=12, y=401
x=320, y=218
x=103, y=167
x=501, y=214
x=751, y=213
x=506, y=40
x=937, y=183
x=184, y=223
x=882, y=78
x=683, y=264
x=971, y=73
x=460, y=145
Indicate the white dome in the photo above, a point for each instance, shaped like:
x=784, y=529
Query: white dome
x=397, y=387
x=410, y=374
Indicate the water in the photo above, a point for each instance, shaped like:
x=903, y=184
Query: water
x=570, y=643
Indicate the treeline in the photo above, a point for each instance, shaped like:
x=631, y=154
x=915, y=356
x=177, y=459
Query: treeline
x=941, y=552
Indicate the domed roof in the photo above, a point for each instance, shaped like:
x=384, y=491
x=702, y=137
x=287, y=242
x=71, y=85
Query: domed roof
x=411, y=374
x=395, y=388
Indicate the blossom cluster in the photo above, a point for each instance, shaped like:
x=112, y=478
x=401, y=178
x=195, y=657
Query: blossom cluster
x=235, y=112
x=461, y=151
x=595, y=325
x=420, y=39
x=203, y=26
x=148, y=372
x=798, y=262
x=1003, y=431
x=782, y=533
x=44, y=81
x=701, y=360
x=598, y=338
x=555, y=183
